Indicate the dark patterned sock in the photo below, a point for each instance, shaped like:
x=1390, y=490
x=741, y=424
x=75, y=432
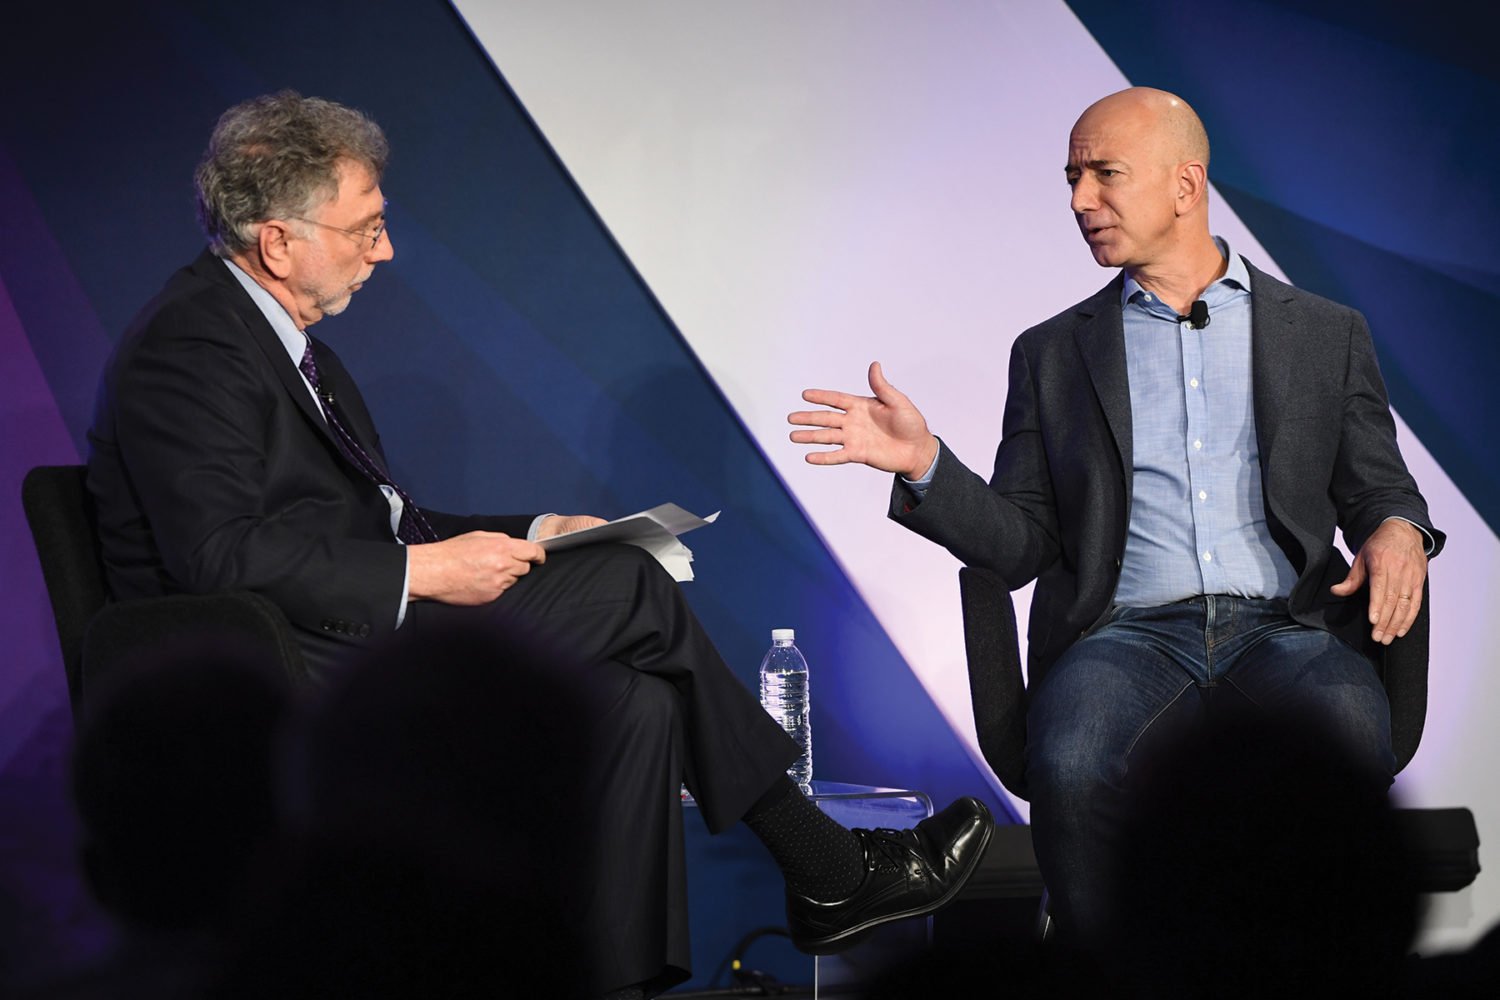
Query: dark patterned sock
x=818, y=858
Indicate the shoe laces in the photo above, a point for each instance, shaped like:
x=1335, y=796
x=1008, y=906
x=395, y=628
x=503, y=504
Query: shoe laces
x=889, y=848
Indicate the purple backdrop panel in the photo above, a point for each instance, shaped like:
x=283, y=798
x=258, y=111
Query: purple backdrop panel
x=44, y=909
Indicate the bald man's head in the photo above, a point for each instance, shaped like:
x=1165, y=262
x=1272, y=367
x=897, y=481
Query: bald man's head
x=1138, y=166
x=1169, y=118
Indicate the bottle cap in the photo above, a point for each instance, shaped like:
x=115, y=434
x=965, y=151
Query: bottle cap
x=783, y=635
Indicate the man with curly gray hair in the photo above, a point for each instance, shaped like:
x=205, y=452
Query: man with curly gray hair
x=277, y=156
x=232, y=451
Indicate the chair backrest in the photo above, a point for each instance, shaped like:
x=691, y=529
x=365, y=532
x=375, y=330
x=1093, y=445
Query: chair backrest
x=996, y=684
x=60, y=514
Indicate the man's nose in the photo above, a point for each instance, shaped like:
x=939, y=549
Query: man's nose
x=382, y=250
x=1084, y=197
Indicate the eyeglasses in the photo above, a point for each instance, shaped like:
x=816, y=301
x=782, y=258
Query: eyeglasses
x=374, y=237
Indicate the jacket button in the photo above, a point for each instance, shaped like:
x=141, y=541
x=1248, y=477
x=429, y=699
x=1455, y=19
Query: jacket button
x=364, y=630
x=327, y=625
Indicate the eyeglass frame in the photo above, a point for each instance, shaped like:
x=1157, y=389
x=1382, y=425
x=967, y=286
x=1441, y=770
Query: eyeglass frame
x=374, y=237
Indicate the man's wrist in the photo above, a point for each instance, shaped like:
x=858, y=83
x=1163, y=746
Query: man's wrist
x=1426, y=540
x=926, y=460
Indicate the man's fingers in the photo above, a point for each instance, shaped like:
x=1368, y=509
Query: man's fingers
x=1353, y=581
x=1383, y=597
x=1406, y=598
x=816, y=418
x=831, y=436
x=839, y=457
x=1395, y=598
x=1405, y=613
x=883, y=390
x=1382, y=613
x=830, y=397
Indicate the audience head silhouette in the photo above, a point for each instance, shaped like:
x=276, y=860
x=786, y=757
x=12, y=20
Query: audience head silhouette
x=439, y=807
x=172, y=776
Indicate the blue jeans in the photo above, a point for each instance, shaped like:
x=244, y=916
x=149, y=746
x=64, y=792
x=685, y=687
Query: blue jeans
x=1149, y=673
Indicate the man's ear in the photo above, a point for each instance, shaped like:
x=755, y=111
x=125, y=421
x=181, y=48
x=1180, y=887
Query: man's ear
x=1192, y=186
x=275, y=248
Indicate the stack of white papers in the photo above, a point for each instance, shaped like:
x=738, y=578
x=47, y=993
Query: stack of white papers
x=654, y=530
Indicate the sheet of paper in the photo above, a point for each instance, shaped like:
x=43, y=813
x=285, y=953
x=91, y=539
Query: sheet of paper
x=654, y=530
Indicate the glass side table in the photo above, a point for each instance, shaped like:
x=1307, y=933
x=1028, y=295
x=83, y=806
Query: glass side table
x=867, y=806
x=870, y=806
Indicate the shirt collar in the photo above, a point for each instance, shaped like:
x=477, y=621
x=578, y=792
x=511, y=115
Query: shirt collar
x=294, y=340
x=1236, y=275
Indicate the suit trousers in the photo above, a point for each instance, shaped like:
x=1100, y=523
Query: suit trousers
x=678, y=714
x=1145, y=677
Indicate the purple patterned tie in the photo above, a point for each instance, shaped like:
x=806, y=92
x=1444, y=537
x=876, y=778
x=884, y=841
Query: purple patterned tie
x=414, y=528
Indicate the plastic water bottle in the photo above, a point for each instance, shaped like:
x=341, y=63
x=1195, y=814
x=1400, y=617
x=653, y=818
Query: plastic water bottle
x=784, y=694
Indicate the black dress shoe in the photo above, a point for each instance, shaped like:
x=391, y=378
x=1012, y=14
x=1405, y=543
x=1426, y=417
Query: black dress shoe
x=908, y=873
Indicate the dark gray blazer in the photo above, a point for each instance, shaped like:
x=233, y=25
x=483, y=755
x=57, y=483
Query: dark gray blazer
x=1058, y=505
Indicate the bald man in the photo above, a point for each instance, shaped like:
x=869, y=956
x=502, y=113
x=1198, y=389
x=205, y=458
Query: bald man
x=1177, y=452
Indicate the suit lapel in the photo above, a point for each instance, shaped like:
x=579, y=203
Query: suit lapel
x=1101, y=344
x=1273, y=347
x=260, y=331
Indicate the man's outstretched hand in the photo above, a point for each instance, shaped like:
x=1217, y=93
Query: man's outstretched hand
x=884, y=431
x=1394, y=560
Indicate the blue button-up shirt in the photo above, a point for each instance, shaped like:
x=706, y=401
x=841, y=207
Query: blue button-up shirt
x=1197, y=517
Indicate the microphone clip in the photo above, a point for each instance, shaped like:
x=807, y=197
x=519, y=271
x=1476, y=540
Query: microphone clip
x=1197, y=315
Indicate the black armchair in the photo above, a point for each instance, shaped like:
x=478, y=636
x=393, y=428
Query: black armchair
x=1443, y=844
x=999, y=689
x=96, y=632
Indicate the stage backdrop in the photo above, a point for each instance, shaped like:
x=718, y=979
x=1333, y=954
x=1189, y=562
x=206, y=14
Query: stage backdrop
x=627, y=236
x=807, y=188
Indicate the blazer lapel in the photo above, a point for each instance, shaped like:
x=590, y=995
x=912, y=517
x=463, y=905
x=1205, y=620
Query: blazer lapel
x=1101, y=344
x=259, y=329
x=1273, y=341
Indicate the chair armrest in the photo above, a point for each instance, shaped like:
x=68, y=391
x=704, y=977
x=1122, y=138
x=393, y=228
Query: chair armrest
x=996, y=684
x=1403, y=670
x=248, y=623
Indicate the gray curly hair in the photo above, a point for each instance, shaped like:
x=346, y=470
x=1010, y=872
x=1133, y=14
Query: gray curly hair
x=277, y=156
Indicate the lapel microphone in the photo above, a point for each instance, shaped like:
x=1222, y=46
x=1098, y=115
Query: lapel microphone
x=1197, y=315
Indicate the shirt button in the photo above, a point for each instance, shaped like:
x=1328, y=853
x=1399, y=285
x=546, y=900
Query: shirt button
x=1198, y=444
x=1148, y=297
x=1208, y=557
x=1202, y=494
x=1194, y=383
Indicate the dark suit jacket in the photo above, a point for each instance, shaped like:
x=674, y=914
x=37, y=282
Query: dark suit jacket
x=1058, y=505
x=212, y=470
